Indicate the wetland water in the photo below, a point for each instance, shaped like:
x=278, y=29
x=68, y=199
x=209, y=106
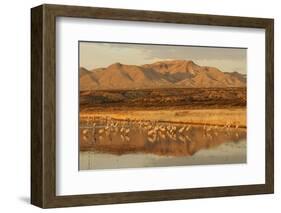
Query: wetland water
x=135, y=144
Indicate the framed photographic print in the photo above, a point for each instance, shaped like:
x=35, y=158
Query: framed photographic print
x=136, y=106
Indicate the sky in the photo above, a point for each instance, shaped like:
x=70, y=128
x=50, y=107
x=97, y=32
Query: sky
x=96, y=55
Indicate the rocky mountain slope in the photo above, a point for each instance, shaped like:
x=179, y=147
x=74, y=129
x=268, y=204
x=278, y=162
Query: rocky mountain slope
x=162, y=74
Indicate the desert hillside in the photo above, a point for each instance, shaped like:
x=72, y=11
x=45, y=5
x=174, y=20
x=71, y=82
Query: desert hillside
x=162, y=74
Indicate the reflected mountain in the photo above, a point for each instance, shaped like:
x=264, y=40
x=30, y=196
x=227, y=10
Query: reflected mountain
x=161, y=139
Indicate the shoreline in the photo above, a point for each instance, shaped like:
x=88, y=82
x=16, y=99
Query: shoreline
x=235, y=118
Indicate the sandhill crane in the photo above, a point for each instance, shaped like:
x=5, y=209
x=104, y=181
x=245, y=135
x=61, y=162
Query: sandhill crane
x=181, y=129
x=162, y=128
x=172, y=129
x=152, y=139
x=209, y=128
x=101, y=131
x=163, y=136
x=85, y=131
x=127, y=131
x=122, y=129
x=150, y=132
x=227, y=125
x=156, y=128
x=182, y=139
x=149, y=126
x=127, y=138
x=187, y=128
x=107, y=133
x=106, y=128
x=187, y=138
x=172, y=136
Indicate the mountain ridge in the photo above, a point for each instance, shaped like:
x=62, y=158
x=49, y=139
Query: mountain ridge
x=160, y=74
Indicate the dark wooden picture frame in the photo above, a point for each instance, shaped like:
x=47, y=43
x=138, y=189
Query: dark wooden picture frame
x=43, y=105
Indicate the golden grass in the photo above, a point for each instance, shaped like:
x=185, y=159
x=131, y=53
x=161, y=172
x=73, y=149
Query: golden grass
x=221, y=117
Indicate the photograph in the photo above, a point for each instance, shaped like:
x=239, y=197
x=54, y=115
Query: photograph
x=161, y=105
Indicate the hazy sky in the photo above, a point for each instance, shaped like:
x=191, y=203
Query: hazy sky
x=96, y=55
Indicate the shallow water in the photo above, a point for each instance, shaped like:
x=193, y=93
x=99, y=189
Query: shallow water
x=110, y=145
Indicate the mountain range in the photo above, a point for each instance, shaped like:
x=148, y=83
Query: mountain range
x=161, y=74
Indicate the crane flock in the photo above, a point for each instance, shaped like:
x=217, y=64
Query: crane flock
x=154, y=130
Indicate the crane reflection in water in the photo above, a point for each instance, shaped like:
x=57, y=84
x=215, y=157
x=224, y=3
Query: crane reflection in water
x=116, y=138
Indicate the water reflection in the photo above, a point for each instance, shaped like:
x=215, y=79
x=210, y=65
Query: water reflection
x=158, y=138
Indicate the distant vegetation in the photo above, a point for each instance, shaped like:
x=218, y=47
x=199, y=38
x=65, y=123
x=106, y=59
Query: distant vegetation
x=192, y=98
